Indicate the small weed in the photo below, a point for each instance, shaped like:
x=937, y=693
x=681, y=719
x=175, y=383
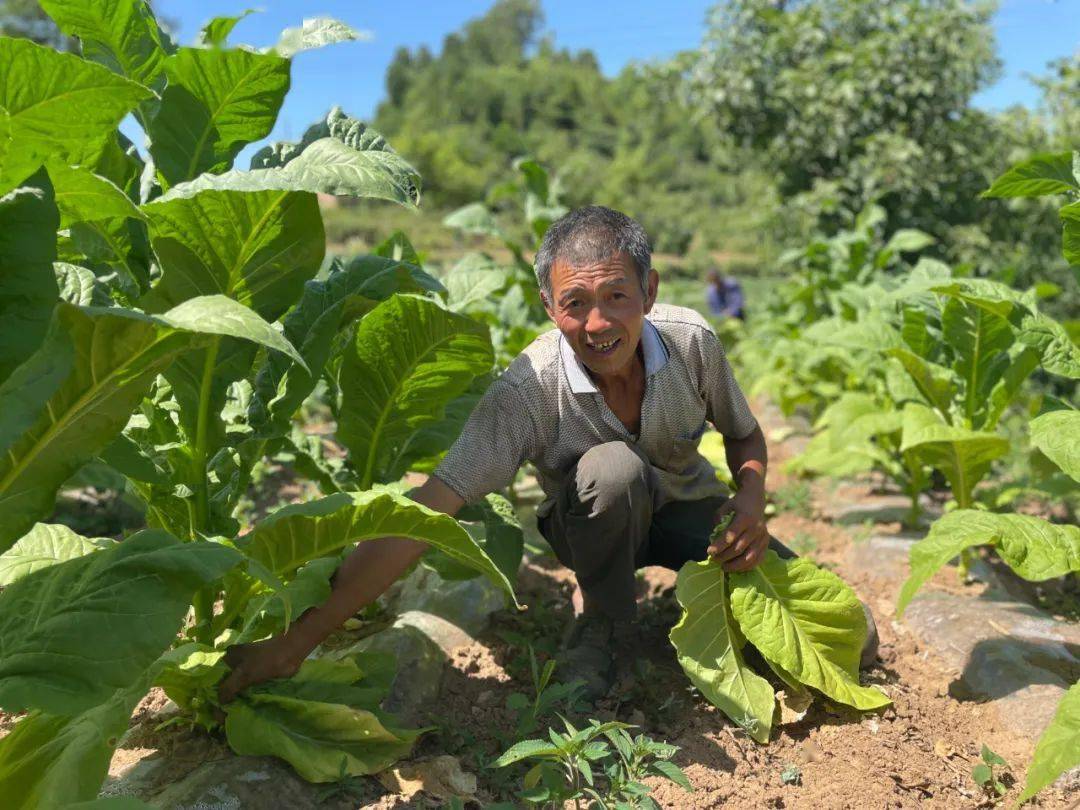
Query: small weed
x=600, y=764
x=984, y=775
x=802, y=543
x=791, y=775
x=796, y=498
x=546, y=698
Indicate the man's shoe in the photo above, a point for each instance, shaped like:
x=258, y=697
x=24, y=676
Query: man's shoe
x=587, y=655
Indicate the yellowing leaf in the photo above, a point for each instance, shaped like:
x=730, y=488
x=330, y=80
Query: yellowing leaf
x=709, y=648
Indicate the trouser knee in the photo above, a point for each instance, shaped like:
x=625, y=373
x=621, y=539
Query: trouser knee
x=611, y=479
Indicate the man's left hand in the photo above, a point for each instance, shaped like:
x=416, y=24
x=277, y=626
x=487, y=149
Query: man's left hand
x=747, y=539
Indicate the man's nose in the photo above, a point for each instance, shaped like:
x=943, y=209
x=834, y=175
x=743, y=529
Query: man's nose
x=597, y=321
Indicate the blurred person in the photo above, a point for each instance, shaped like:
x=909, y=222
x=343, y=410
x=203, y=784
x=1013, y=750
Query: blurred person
x=725, y=296
x=609, y=408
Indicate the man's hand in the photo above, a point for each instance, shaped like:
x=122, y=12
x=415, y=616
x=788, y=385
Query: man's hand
x=255, y=663
x=745, y=541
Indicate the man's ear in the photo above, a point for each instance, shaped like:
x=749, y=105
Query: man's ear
x=651, y=289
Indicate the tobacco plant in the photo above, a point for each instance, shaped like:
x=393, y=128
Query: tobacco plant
x=165, y=315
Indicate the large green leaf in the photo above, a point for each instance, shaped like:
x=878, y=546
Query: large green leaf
x=1057, y=351
x=323, y=722
x=1058, y=749
x=496, y=529
x=935, y=383
x=325, y=307
x=314, y=33
x=257, y=247
x=1057, y=435
x=809, y=623
x=76, y=631
x=964, y=456
x=327, y=166
x=122, y=35
x=44, y=545
x=1070, y=233
x=709, y=647
x=69, y=400
x=1037, y=176
x=59, y=106
x=216, y=102
x=83, y=196
x=410, y=357
x=299, y=533
x=53, y=761
x=28, y=291
x=1034, y=548
x=980, y=342
x=215, y=32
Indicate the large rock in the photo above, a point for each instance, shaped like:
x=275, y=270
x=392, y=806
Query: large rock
x=1007, y=653
x=884, y=556
x=467, y=604
x=877, y=509
x=421, y=644
x=226, y=783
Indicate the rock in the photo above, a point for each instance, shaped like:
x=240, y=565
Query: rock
x=1011, y=655
x=467, y=604
x=440, y=776
x=876, y=509
x=884, y=556
x=419, y=658
x=230, y=783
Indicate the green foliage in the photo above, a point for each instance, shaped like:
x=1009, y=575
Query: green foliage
x=499, y=90
x=805, y=622
x=148, y=346
x=984, y=775
x=1058, y=748
x=324, y=721
x=566, y=766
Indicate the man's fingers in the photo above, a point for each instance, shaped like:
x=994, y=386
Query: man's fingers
x=231, y=686
x=750, y=557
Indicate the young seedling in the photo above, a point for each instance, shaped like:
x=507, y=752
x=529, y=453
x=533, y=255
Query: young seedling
x=566, y=767
x=984, y=775
x=547, y=696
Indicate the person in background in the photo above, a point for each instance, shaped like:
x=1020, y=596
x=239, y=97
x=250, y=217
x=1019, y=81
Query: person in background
x=725, y=296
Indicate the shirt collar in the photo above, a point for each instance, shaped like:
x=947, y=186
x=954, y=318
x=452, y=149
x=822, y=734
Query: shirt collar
x=652, y=347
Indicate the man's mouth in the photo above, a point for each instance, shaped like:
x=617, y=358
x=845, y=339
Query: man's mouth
x=605, y=347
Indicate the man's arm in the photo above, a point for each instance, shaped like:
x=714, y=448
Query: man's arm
x=747, y=538
x=370, y=569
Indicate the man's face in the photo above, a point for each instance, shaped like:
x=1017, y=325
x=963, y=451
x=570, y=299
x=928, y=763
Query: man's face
x=600, y=308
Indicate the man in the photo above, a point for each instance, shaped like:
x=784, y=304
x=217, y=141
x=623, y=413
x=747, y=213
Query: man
x=609, y=408
x=725, y=296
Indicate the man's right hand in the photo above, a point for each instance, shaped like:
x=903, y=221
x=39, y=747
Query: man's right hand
x=254, y=663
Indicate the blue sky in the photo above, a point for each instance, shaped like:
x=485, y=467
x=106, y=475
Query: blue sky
x=1029, y=34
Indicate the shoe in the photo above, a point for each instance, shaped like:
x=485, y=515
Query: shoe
x=587, y=655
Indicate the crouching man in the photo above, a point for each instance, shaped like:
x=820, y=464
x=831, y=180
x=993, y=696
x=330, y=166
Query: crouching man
x=609, y=408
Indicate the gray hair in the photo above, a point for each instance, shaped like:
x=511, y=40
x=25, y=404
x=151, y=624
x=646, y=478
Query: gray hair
x=592, y=234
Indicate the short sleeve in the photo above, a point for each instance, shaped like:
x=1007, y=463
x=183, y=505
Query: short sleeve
x=497, y=439
x=725, y=404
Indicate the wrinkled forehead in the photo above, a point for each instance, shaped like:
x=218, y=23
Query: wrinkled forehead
x=584, y=270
